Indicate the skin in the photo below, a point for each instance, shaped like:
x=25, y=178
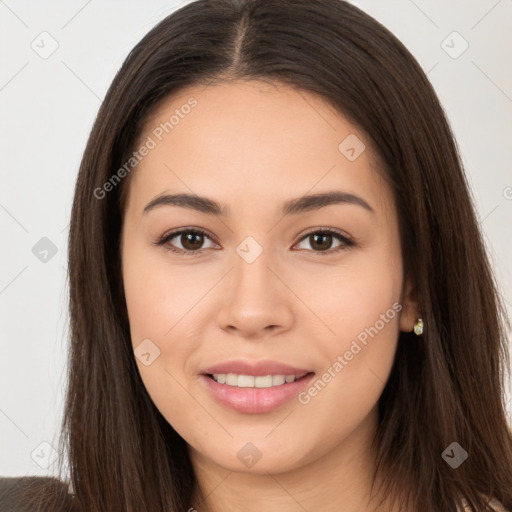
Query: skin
x=252, y=146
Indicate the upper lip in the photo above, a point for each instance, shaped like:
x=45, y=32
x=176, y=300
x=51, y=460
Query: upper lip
x=256, y=368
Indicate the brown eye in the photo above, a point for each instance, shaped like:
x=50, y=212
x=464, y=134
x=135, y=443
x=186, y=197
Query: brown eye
x=191, y=241
x=321, y=241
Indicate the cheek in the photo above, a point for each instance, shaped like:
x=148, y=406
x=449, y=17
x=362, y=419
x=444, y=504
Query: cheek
x=353, y=295
x=361, y=307
x=158, y=295
x=369, y=304
x=160, y=304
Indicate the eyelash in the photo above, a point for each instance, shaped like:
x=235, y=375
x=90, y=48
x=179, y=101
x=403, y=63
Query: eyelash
x=348, y=243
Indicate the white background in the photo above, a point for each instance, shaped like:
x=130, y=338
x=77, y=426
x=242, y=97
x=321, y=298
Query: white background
x=47, y=107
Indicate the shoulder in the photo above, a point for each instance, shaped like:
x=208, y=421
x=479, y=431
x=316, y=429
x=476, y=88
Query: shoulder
x=494, y=504
x=497, y=506
x=23, y=494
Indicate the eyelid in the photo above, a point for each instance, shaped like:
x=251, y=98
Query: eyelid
x=347, y=240
x=164, y=239
x=326, y=229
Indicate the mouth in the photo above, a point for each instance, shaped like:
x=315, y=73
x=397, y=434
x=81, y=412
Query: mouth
x=254, y=394
x=256, y=381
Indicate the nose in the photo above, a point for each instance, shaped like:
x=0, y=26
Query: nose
x=255, y=301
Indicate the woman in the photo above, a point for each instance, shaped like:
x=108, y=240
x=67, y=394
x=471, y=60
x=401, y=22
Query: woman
x=218, y=361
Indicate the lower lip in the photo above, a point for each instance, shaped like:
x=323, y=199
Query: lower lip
x=255, y=400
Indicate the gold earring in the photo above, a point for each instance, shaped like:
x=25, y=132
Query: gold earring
x=418, y=327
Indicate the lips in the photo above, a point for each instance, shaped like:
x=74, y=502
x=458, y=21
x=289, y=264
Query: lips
x=258, y=399
x=256, y=368
x=254, y=400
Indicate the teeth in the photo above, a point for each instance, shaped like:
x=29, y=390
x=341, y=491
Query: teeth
x=250, y=381
x=277, y=380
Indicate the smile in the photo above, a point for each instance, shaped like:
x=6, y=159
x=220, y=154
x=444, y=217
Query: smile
x=251, y=394
x=252, y=381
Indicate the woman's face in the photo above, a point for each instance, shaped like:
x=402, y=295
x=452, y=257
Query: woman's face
x=269, y=286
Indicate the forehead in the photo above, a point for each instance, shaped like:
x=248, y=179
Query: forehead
x=256, y=138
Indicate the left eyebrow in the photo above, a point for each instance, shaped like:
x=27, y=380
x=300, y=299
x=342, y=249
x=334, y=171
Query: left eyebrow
x=291, y=207
x=317, y=201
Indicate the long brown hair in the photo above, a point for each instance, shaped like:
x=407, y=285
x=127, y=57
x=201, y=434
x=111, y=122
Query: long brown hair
x=446, y=385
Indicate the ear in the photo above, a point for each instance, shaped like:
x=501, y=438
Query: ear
x=410, y=309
